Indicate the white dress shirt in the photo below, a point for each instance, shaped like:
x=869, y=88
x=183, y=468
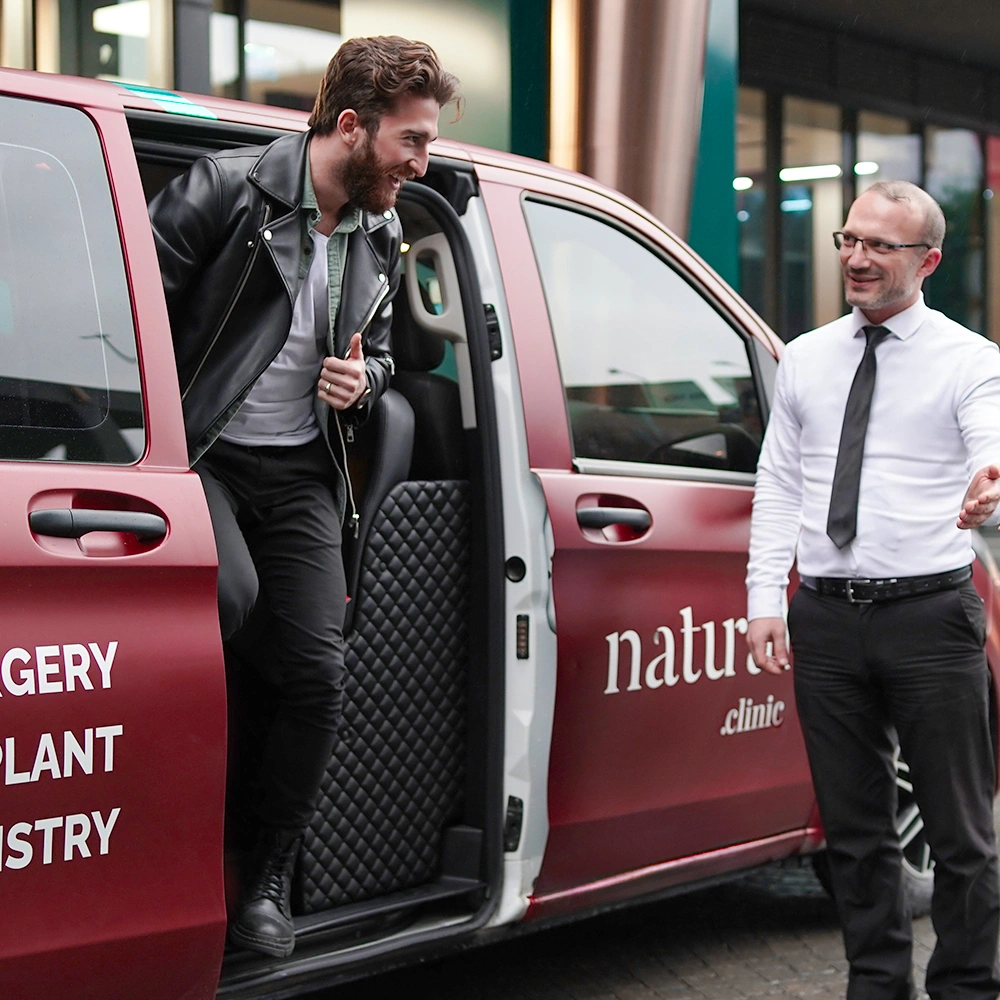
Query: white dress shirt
x=935, y=419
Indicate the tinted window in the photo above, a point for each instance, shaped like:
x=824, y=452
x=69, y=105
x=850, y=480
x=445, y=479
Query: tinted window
x=652, y=373
x=69, y=376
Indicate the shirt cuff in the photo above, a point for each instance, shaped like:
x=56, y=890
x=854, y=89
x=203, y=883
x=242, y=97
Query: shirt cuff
x=766, y=602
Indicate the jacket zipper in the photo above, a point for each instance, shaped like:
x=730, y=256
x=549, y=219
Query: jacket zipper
x=232, y=303
x=355, y=516
x=370, y=315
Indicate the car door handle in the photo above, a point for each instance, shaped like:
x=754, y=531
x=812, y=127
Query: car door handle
x=603, y=517
x=75, y=522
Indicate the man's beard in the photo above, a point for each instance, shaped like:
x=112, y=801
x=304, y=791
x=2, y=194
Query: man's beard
x=363, y=177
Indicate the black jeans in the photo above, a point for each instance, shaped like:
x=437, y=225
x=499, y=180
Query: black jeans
x=916, y=665
x=277, y=531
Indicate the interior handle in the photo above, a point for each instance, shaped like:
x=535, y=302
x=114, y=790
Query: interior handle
x=602, y=517
x=75, y=522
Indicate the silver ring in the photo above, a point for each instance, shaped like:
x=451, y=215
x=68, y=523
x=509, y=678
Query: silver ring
x=328, y=388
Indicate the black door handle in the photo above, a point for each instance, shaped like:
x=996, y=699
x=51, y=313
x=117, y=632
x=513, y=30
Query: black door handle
x=75, y=522
x=602, y=517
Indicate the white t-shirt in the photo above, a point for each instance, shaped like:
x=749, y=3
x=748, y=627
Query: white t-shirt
x=279, y=409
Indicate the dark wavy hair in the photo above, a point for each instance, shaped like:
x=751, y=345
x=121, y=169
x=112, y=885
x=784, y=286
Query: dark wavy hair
x=368, y=75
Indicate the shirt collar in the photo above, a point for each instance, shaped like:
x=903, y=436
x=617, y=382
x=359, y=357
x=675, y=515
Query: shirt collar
x=903, y=325
x=350, y=220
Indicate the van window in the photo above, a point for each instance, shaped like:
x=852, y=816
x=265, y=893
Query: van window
x=69, y=374
x=651, y=371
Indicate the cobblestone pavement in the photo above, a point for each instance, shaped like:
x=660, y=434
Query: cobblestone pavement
x=773, y=933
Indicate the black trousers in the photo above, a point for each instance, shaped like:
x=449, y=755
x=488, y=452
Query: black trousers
x=917, y=666
x=278, y=535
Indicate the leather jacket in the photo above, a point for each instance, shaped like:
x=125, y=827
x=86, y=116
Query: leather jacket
x=229, y=236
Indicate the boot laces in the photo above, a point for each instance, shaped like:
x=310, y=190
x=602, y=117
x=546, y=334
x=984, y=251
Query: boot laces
x=276, y=873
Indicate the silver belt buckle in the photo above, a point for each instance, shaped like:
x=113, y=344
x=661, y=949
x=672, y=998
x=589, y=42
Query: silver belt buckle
x=850, y=593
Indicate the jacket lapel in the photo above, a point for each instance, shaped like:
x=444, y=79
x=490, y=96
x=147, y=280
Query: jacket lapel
x=283, y=239
x=278, y=172
x=365, y=281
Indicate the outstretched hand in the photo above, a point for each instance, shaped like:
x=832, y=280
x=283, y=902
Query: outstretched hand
x=342, y=381
x=981, y=498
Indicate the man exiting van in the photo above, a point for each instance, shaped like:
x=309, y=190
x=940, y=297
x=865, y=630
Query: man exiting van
x=279, y=266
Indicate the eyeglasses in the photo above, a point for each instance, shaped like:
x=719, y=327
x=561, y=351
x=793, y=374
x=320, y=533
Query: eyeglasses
x=841, y=240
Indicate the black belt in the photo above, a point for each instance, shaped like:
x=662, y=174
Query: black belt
x=891, y=589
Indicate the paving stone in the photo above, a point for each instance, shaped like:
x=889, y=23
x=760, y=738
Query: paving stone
x=771, y=934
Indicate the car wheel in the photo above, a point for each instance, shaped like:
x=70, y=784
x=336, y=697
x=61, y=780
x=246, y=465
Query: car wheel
x=918, y=865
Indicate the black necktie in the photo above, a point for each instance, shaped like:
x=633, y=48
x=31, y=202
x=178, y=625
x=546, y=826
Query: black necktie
x=842, y=522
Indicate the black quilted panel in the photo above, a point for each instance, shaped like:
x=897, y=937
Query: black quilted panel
x=396, y=778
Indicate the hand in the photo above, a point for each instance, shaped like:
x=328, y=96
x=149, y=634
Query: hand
x=981, y=498
x=342, y=382
x=763, y=631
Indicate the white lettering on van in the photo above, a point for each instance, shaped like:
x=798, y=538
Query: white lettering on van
x=76, y=751
x=54, y=669
x=83, y=835
x=662, y=670
x=748, y=717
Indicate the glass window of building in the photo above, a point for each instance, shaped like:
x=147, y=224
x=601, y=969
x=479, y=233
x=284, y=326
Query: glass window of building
x=888, y=150
x=811, y=209
x=955, y=178
x=97, y=38
x=278, y=51
x=277, y=54
x=751, y=195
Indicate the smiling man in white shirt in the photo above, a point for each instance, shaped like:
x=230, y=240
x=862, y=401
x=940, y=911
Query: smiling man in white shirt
x=882, y=450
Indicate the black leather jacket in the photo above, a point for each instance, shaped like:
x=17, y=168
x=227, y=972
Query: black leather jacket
x=229, y=235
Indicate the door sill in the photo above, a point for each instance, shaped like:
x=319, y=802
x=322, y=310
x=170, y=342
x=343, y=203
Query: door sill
x=346, y=927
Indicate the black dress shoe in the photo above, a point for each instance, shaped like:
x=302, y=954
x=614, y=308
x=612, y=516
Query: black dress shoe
x=264, y=922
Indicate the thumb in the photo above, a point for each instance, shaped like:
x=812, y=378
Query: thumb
x=992, y=472
x=355, y=353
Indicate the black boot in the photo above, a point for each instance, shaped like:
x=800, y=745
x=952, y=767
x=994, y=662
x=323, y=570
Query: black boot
x=264, y=922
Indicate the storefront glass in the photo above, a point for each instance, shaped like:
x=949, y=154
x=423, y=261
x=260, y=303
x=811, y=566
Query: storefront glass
x=286, y=45
x=751, y=194
x=888, y=150
x=811, y=209
x=955, y=178
x=105, y=40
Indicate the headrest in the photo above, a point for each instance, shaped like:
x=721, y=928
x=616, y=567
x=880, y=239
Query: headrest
x=413, y=349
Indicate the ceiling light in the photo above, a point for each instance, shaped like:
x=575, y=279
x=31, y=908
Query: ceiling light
x=796, y=205
x=820, y=172
x=865, y=167
x=742, y=183
x=130, y=19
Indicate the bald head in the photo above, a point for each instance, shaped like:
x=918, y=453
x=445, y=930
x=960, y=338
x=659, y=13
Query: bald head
x=933, y=228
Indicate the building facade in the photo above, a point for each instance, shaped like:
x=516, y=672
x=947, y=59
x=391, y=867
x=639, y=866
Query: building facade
x=746, y=125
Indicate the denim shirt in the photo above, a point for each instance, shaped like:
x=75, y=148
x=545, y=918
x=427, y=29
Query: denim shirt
x=336, y=247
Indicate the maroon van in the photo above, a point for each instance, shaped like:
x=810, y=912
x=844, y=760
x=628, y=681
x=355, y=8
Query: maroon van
x=550, y=704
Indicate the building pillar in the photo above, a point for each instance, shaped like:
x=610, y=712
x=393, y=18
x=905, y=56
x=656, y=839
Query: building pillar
x=642, y=67
x=160, y=44
x=17, y=34
x=714, y=231
x=192, y=55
